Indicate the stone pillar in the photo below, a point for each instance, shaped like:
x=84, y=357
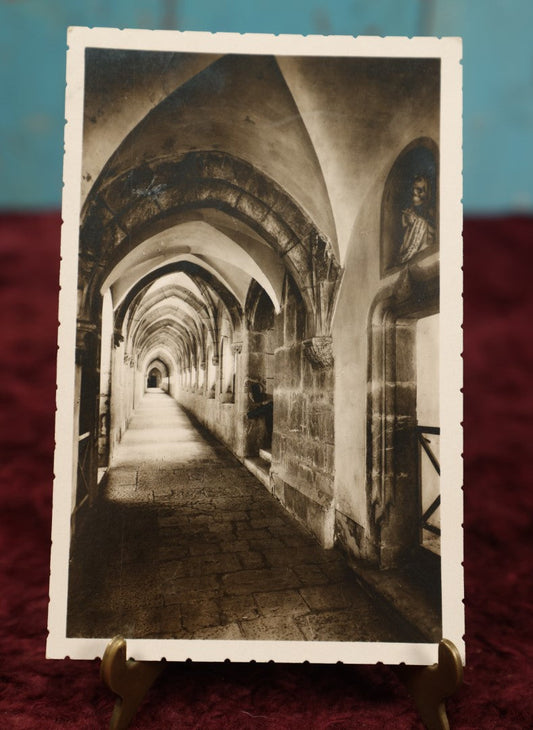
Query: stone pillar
x=116, y=405
x=240, y=359
x=393, y=477
x=302, y=470
x=87, y=360
x=398, y=533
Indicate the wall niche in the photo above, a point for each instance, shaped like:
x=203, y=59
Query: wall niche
x=409, y=207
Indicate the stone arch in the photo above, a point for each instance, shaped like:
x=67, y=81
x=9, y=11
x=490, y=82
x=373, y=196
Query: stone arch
x=141, y=306
x=159, y=353
x=264, y=333
x=204, y=280
x=157, y=308
x=162, y=355
x=253, y=296
x=263, y=326
x=176, y=332
x=123, y=211
x=156, y=373
x=163, y=315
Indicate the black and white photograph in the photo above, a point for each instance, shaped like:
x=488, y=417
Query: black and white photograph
x=258, y=439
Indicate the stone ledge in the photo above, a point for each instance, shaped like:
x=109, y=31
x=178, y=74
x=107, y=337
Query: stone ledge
x=403, y=592
x=259, y=468
x=410, y=594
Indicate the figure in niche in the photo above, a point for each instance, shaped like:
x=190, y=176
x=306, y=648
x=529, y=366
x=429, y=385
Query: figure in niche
x=409, y=206
x=418, y=220
x=262, y=406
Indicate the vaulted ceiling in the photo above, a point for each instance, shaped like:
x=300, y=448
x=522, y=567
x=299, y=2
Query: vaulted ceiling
x=321, y=130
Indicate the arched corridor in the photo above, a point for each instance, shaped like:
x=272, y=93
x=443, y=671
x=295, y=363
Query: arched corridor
x=187, y=544
x=253, y=404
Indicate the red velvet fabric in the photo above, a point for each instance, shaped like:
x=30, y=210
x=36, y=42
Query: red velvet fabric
x=497, y=693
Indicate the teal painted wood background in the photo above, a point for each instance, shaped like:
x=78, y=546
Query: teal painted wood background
x=498, y=77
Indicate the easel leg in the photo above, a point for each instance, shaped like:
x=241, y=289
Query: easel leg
x=430, y=686
x=130, y=680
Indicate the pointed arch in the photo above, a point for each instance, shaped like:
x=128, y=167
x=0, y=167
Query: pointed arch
x=118, y=217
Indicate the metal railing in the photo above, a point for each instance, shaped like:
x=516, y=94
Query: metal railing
x=84, y=451
x=425, y=445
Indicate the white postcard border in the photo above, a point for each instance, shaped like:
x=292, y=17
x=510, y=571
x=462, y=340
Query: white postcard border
x=449, y=50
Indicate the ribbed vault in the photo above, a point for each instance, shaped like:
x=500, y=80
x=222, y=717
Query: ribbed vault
x=219, y=217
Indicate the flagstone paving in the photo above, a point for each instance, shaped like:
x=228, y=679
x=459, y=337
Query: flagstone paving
x=187, y=544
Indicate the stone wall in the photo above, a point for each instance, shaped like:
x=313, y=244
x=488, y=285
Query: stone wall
x=219, y=418
x=217, y=409
x=303, y=449
x=374, y=380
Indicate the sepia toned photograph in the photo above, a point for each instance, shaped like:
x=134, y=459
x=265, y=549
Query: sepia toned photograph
x=258, y=439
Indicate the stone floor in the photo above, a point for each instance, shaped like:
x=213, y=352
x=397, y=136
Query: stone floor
x=188, y=544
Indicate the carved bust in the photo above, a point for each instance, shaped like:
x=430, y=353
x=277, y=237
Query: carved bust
x=418, y=220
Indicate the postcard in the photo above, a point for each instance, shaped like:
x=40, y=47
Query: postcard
x=258, y=432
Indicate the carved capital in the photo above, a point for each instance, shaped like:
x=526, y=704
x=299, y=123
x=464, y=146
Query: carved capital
x=319, y=351
x=236, y=348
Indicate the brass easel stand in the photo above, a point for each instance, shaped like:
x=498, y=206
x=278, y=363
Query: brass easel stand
x=130, y=680
x=429, y=686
